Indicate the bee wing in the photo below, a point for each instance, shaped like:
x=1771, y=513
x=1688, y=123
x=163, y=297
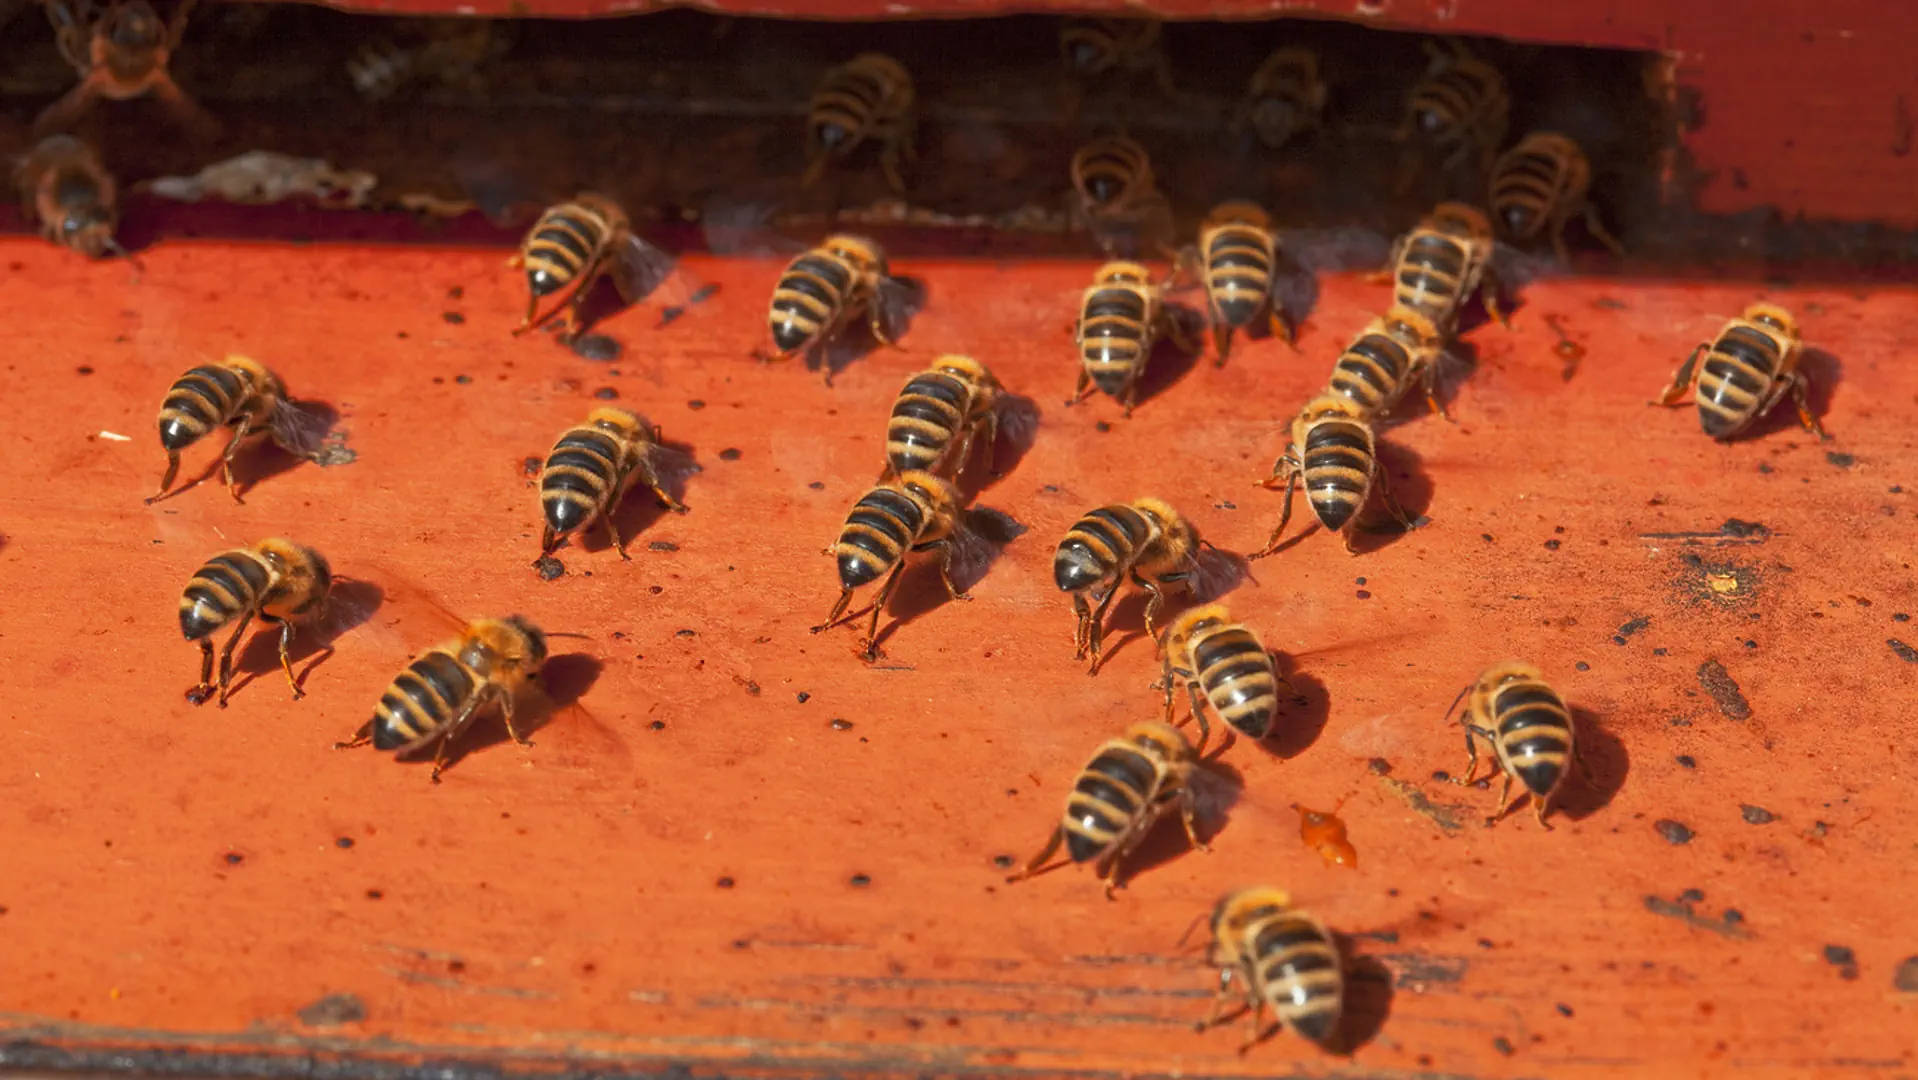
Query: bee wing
x=1514, y=269
x=1335, y=250
x=896, y=301
x=744, y=229
x=983, y=534
x=578, y=740
x=300, y=428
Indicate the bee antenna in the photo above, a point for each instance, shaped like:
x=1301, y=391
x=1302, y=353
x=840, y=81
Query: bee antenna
x=1189, y=927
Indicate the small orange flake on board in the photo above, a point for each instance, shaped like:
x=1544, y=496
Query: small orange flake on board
x=1323, y=832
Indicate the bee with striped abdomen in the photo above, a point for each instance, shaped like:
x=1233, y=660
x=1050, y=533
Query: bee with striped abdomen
x=1393, y=353
x=1542, y=183
x=589, y=471
x=1332, y=453
x=1114, y=190
x=917, y=512
x=120, y=55
x=1442, y=262
x=277, y=580
x=1236, y=260
x=869, y=97
x=1749, y=368
x=1526, y=726
x=239, y=393
x=447, y=686
x=73, y=195
x=1119, y=796
x=1146, y=541
x=1226, y=662
x=1286, y=97
x=1285, y=960
x=823, y=290
x=1460, y=105
x=1095, y=47
x=572, y=244
x=937, y=415
x=1120, y=318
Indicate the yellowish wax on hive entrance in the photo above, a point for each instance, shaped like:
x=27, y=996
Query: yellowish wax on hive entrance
x=1722, y=583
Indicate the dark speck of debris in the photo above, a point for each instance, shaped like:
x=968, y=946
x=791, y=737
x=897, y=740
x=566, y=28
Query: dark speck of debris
x=606, y=393
x=803, y=697
x=1901, y=617
x=839, y=724
x=1686, y=761
x=1756, y=815
x=1102, y=426
x=463, y=379
x=1764, y=467
x=1564, y=1009
x=1226, y=504
x=1440, y=776
x=1742, y=530
x=658, y=725
x=334, y=451
x=375, y=894
x=724, y=883
x=1674, y=832
x=84, y=370
x=1719, y=684
x=1487, y=537
x=234, y=858
x=456, y=292
x=685, y=633
x=1503, y=1045
x=531, y=466
x=817, y=485
x=1841, y=957
x=1632, y=626
x=597, y=347
x=1905, y=652
x=695, y=404
x=1551, y=545
x=1659, y=652
x=1485, y=943
x=1691, y=896
x=333, y=1009
x=662, y=545
x=860, y=881
x=1358, y=581
x=1004, y=862
x=1363, y=594
x=731, y=453
x=1843, y=461
x=1379, y=766
x=549, y=567
x=656, y=589
x=1750, y=644
x=1906, y=977
x=453, y=317
x=1582, y=666
x=343, y=842
x=1733, y=916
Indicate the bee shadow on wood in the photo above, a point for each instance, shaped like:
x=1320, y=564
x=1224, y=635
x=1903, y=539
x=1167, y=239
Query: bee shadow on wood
x=1607, y=761
x=640, y=509
x=981, y=539
x=1295, y=295
x=1216, y=788
x=1368, y=998
x=1411, y=490
x=1302, y=714
x=1169, y=362
x=349, y=603
x=908, y=296
x=562, y=682
x=267, y=459
x=1822, y=371
x=1018, y=430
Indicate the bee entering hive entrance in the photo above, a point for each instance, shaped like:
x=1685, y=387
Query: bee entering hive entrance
x=680, y=115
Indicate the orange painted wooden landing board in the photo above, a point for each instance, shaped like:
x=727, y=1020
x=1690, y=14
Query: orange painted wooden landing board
x=721, y=876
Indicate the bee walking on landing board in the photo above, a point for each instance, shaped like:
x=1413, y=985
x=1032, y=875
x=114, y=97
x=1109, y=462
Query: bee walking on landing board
x=72, y=195
x=239, y=393
x=120, y=54
x=917, y=512
x=1394, y=352
x=1119, y=796
x=1236, y=260
x=1441, y=263
x=1333, y=455
x=1284, y=959
x=277, y=580
x=1285, y=99
x=441, y=692
x=936, y=416
x=589, y=471
x=1749, y=368
x=571, y=245
x=1120, y=319
x=1226, y=663
x=1542, y=183
x=1528, y=729
x=821, y=293
x=867, y=98
x=1146, y=541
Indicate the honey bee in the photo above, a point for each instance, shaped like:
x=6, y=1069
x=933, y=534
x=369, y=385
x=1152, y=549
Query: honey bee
x=1236, y=258
x=1119, y=796
x=1209, y=652
x=937, y=414
x=1460, y=104
x=1748, y=369
x=73, y=195
x=1146, y=541
x=1095, y=47
x=1527, y=727
x=917, y=512
x=1542, y=183
x=573, y=244
x=1439, y=265
x=589, y=471
x=239, y=393
x=1115, y=190
x=1286, y=97
x=450, y=52
x=1333, y=454
x=1120, y=319
x=120, y=54
x=1284, y=959
x=1389, y=356
x=447, y=686
x=278, y=580
x=822, y=291
x=868, y=97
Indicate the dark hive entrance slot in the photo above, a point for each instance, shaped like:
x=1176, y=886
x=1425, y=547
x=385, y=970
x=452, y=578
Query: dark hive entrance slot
x=680, y=112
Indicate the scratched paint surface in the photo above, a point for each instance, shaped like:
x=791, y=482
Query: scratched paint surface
x=703, y=867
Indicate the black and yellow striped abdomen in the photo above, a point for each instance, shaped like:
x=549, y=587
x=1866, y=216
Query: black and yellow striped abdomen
x=1373, y=371
x=1465, y=99
x=1238, y=272
x=1533, y=731
x=207, y=397
x=926, y=417
x=1107, y=800
x=1106, y=171
x=1115, y=336
x=1337, y=462
x=809, y=297
x=230, y=583
x=1528, y=185
x=1297, y=969
x=564, y=243
x=1431, y=273
x=1236, y=673
x=882, y=526
x=1738, y=373
x=425, y=698
x=850, y=100
x=583, y=477
x=1099, y=545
